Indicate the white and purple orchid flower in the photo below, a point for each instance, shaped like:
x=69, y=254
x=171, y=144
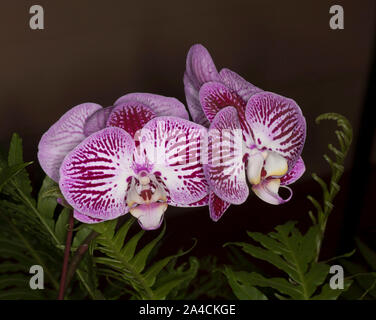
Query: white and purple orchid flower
x=138, y=156
x=271, y=128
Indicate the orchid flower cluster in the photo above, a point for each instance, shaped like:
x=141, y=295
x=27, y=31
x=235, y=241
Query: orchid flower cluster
x=143, y=153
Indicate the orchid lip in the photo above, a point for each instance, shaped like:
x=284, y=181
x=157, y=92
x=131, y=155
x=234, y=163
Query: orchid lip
x=264, y=164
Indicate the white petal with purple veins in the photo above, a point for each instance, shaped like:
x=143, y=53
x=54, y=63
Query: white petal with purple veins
x=130, y=116
x=295, y=173
x=217, y=206
x=225, y=168
x=276, y=124
x=62, y=137
x=85, y=219
x=173, y=147
x=94, y=176
x=215, y=96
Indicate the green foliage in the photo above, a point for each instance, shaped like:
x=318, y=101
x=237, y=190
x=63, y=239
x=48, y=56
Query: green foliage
x=128, y=264
x=344, y=137
x=241, y=285
x=364, y=275
x=21, y=237
x=210, y=282
x=291, y=252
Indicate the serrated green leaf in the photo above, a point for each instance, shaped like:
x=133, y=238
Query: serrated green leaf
x=130, y=246
x=294, y=253
x=280, y=284
x=139, y=260
x=122, y=233
x=315, y=277
x=241, y=287
x=15, y=157
x=266, y=255
x=7, y=173
x=106, y=227
x=176, y=279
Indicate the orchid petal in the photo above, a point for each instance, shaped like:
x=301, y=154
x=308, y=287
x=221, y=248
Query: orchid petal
x=267, y=191
x=62, y=137
x=174, y=147
x=275, y=165
x=200, y=68
x=217, y=207
x=200, y=203
x=295, y=173
x=225, y=168
x=85, y=219
x=193, y=102
x=276, y=124
x=94, y=176
x=215, y=96
x=97, y=121
x=130, y=116
x=162, y=106
x=238, y=84
x=254, y=167
x=150, y=216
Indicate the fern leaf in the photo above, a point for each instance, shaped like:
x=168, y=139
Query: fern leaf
x=292, y=252
x=124, y=261
x=241, y=286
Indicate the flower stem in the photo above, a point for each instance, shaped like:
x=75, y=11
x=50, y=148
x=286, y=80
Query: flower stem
x=66, y=257
x=78, y=256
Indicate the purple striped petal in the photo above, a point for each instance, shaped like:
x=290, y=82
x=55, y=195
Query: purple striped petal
x=174, y=148
x=200, y=68
x=97, y=121
x=238, y=84
x=162, y=106
x=130, y=116
x=193, y=102
x=267, y=191
x=94, y=176
x=294, y=174
x=215, y=96
x=200, y=203
x=62, y=137
x=225, y=168
x=85, y=219
x=277, y=124
x=217, y=207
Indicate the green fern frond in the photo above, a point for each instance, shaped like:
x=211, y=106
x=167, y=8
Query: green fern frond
x=125, y=262
x=293, y=253
x=323, y=210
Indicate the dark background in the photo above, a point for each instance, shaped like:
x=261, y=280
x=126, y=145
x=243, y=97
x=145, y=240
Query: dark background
x=98, y=51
